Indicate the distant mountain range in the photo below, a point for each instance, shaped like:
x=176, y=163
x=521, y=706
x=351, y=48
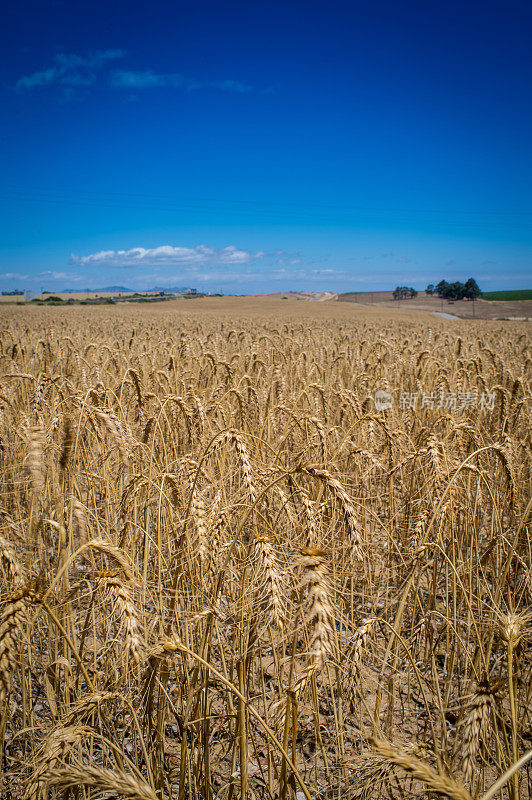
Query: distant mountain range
x=114, y=289
x=126, y=290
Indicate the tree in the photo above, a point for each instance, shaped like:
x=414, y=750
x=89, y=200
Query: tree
x=471, y=289
x=450, y=291
x=456, y=290
x=402, y=292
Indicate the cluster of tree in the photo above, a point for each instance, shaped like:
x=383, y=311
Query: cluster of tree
x=404, y=292
x=455, y=291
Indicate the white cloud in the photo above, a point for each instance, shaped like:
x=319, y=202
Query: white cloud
x=70, y=70
x=14, y=276
x=167, y=254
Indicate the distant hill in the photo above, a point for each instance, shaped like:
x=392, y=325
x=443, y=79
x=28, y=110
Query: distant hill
x=176, y=289
x=120, y=289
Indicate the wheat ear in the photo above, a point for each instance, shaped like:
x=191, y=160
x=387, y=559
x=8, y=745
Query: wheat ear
x=11, y=622
x=437, y=781
x=345, y=503
x=54, y=748
x=475, y=726
x=271, y=586
x=126, y=612
x=104, y=780
x=319, y=611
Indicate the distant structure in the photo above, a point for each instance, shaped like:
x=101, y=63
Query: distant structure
x=13, y=293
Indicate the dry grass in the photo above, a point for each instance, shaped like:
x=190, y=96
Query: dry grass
x=226, y=575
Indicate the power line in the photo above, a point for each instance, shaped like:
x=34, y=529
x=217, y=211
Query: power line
x=186, y=200
x=262, y=209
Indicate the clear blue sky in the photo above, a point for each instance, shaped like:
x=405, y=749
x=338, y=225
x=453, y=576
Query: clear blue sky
x=253, y=146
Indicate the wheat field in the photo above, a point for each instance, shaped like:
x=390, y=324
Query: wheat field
x=227, y=574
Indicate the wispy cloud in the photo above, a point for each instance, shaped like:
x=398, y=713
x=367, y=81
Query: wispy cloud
x=144, y=79
x=14, y=276
x=59, y=276
x=147, y=79
x=245, y=276
x=70, y=70
x=167, y=255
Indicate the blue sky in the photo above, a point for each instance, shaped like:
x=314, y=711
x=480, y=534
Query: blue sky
x=251, y=146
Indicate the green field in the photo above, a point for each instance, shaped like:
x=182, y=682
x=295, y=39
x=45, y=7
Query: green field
x=513, y=294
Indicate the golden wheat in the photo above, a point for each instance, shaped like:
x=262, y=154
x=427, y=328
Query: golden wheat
x=241, y=568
